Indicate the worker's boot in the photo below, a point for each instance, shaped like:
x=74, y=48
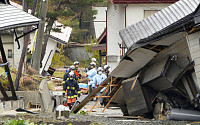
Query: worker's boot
x=69, y=104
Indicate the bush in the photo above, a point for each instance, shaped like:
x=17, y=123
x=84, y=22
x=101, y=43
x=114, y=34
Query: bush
x=5, y=84
x=31, y=71
x=27, y=83
x=19, y=122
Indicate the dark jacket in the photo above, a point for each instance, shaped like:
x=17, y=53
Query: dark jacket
x=66, y=76
x=72, y=88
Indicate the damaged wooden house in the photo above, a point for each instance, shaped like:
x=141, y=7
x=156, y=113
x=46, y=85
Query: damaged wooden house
x=11, y=22
x=164, y=54
x=160, y=72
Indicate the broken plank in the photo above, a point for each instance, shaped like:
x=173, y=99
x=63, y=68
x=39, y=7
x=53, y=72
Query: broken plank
x=127, y=117
x=109, y=85
x=101, y=96
x=111, y=100
x=92, y=106
x=90, y=96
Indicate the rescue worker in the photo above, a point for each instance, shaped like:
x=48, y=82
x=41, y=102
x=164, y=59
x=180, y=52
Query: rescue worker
x=107, y=70
x=66, y=76
x=90, y=74
x=72, y=89
x=76, y=64
x=98, y=79
x=92, y=60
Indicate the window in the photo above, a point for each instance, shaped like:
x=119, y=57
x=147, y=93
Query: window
x=10, y=53
x=148, y=13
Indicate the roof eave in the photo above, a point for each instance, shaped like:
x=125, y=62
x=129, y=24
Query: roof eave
x=141, y=2
x=58, y=40
x=19, y=25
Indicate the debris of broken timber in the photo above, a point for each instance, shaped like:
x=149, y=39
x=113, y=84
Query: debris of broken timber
x=126, y=117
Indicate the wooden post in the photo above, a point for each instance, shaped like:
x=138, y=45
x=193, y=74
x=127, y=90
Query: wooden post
x=24, y=50
x=100, y=58
x=111, y=100
x=40, y=35
x=7, y=70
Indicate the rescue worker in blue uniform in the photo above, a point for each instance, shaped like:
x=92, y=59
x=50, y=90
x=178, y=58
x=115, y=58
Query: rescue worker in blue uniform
x=90, y=74
x=72, y=89
x=92, y=60
x=98, y=79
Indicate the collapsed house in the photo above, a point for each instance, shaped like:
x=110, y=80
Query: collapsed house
x=160, y=72
x=164, y=56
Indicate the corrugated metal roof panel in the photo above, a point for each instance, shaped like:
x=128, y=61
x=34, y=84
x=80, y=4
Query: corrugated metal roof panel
x=12, y=17
x=141, y=1
x=150, y=27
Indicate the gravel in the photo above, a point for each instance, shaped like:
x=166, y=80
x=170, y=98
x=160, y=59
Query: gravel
x=77, y=119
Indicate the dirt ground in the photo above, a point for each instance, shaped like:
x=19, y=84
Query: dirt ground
x=77, y=119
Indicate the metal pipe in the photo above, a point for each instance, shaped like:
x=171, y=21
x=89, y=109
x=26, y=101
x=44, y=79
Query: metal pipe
x=106, y=34
x=183, y=115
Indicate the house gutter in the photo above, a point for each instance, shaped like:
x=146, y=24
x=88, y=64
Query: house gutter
x=106, y=35
x=123, y=49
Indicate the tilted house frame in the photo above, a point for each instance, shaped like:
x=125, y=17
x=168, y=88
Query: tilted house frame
x=12, y=18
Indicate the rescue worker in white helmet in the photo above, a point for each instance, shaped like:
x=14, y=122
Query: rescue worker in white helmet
x=72, y=89
x=92, y=60
x=90, y=74
x=66, y=76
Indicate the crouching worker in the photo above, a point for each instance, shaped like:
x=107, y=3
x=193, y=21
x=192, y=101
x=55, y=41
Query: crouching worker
x=71, y=87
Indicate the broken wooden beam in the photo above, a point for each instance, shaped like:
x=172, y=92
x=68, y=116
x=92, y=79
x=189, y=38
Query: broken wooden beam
x=3, y=92
x=7, y=70
x=91, y=95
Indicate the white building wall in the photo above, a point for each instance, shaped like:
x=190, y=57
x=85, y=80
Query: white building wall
x=116, y=22
x=17, y=52
x=50, y=50
x=7, y=40
x=9, y=43
x=135, y=12
x=100, y=16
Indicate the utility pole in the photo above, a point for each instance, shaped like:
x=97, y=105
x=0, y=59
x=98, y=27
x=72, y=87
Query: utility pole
x=40, y=36
x=24, y=50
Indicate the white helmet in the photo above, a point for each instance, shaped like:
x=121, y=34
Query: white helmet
x=72, y=67
x=100, y=69
x=76, y=63
x=93, y=64
x=71, y=74
x=106, y=66
x=93, y=60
